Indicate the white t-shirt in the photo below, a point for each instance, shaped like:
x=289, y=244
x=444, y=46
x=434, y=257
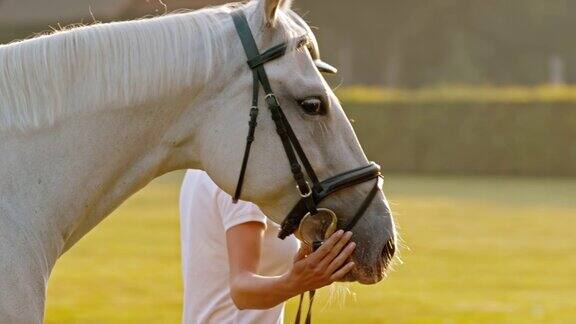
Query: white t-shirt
x=206, y=212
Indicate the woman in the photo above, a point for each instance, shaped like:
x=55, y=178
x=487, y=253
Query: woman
x=235, y=268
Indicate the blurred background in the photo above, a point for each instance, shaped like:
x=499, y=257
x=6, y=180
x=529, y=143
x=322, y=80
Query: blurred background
x=470, y=109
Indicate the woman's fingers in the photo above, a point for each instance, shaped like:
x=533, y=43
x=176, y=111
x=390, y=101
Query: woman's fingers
x=341, y=258
x=342, y=272
x=335, y=251
x=326, y=247
x=327, y=264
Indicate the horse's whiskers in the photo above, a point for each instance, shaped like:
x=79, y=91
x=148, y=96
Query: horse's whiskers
x=338, y=294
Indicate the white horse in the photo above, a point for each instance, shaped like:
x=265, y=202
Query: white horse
x=90, y=115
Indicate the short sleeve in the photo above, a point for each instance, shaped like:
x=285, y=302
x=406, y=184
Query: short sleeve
x=233, y=214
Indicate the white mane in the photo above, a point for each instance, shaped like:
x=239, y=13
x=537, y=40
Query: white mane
x=114, y=65
x=107, y=65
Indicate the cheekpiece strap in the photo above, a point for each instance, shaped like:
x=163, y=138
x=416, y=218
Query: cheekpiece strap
x=289, y=141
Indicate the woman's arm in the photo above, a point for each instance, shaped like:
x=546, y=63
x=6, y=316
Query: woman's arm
x=310, y=271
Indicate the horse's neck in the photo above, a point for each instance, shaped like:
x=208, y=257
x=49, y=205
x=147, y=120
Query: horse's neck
x=61, y=181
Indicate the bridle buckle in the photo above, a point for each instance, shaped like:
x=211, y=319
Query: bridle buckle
x=308, y=190
x=271, y=100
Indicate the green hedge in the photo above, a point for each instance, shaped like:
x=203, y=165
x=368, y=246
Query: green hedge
x=544, y=93
x=473, y=138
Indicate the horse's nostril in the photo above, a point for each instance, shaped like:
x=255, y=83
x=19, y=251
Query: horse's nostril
x=388, y=251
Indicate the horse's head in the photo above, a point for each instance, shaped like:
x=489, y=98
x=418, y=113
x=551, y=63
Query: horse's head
x=319, y=123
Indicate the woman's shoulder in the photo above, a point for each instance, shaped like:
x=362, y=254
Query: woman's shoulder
x=199, y=184
x=198, y=190
x=198, y=177
x=198, y=180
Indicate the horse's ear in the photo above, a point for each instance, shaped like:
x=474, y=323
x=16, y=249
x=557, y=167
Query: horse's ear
x=271, y=8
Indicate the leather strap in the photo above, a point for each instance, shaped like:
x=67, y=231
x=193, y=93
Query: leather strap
x=326, y=188
x=271, y=54
x=348, y=227
x=250, y=138
x=311, y=295
x=255, y=62
x=299, y=311
x=303, y=158
x=348, y=179
x=362, y=209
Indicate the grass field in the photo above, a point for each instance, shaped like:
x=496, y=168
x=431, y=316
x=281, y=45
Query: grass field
x=493, y=250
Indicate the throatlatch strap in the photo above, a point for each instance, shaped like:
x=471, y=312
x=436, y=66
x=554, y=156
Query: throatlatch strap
x=250, y=138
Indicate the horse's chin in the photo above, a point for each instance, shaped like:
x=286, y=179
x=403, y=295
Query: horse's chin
x=366, y=276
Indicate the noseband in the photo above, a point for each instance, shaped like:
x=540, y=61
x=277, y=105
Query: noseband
x=310, y=195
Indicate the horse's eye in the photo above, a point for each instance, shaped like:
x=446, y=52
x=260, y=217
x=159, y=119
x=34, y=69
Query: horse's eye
x=313, y=106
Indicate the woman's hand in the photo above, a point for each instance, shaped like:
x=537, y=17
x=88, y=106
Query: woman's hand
x=249, y=290
x=324, y=266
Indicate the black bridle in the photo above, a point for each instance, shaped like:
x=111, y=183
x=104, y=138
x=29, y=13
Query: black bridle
x=310, y=196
